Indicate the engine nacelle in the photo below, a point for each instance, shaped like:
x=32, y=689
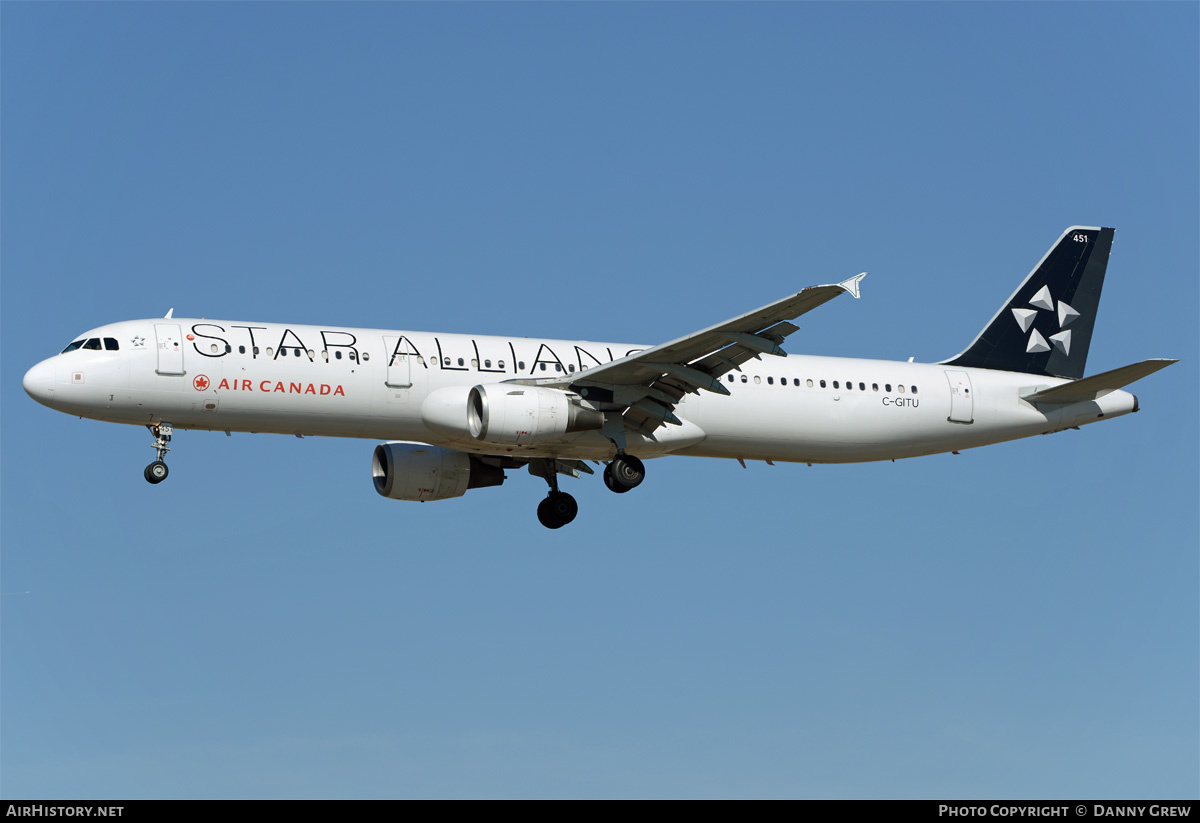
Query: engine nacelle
x=414, y=471
x=445, y=412
x=508, y=414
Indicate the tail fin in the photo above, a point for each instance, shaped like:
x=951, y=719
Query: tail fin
x=1046, y=326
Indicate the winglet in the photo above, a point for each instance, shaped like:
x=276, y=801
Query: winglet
x=851, y=285
x=170, y=311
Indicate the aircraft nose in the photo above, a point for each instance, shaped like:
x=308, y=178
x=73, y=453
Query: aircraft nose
x=39, y=382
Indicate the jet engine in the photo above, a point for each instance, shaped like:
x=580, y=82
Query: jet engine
x=414, y=471
x=512, y=414
x=507, y=414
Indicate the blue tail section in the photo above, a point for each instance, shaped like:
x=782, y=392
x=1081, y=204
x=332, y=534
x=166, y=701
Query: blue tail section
x=1045, y=328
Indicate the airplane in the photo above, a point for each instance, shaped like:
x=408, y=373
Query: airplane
x=456, y=411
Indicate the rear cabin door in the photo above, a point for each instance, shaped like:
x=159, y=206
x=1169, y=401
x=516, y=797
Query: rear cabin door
x=962, y=406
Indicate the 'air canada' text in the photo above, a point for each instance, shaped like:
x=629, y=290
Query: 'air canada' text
x=286, y=388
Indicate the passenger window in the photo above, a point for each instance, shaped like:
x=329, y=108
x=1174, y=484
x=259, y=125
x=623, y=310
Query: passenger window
x=744, y=378
x=558, y=366
x=809, y=381
x=900, y=388
x=796, y=381
x=213, y=348
x=835, y=384
x=325, y=355
x=282, y=352
x=571, y=368
x=731, y=378
x=887, y=387
x=256, y=352
x=862, y=386
x=757, y=379
x=92, y=343
x=849, y=385
x=822, y=384
x=241, y=349
x=499, y=364
x=474, y=363
x=110, y=344
x=337, y=355
x=460, y=361
x=487, y=364
x=270, y=351
x=874, y=387
x=914, y=389
x=366, y=356
x=771, y=381
x=521, y=365
x=310, y=354
x=543, y=365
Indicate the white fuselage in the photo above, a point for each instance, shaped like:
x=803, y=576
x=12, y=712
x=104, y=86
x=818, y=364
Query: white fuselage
x=372, y=383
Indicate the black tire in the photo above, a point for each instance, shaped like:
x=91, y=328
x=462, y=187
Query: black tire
x=557, y=510
x=625, y=472
x=611, y=483
x=156, y=472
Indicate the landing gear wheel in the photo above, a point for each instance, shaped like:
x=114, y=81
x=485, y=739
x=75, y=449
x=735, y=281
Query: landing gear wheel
x=608, y=481
x=625, y=472
x=156, y=472
x=557, y=510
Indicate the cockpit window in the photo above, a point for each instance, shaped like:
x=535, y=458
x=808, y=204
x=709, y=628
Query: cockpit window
x=110, y=344
x=72, y=347
x=93, y=343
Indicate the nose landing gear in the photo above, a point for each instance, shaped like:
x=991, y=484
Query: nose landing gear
x=156, y=472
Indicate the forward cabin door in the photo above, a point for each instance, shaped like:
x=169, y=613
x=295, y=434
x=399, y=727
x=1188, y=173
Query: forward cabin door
x=962, y=406
x=399, y=367
x=170, y=348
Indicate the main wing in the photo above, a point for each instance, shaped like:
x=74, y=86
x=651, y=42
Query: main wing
x=647, y=385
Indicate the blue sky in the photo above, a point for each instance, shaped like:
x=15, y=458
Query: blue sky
x=1016, y=621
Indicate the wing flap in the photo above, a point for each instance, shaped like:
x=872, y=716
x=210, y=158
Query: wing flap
x=768, y=322
x=695, y=362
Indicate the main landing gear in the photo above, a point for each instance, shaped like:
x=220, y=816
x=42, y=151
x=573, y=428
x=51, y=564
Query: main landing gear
x=625, y=472
x=156, y=472
x=559, y=508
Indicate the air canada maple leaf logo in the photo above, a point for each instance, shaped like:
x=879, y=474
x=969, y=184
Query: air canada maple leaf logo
x=1026, y=319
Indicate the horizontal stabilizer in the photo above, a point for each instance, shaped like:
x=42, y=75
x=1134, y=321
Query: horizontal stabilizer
x=1098, y=385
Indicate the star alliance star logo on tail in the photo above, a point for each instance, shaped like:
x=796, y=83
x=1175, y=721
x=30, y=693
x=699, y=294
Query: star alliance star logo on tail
x=1042, y=301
